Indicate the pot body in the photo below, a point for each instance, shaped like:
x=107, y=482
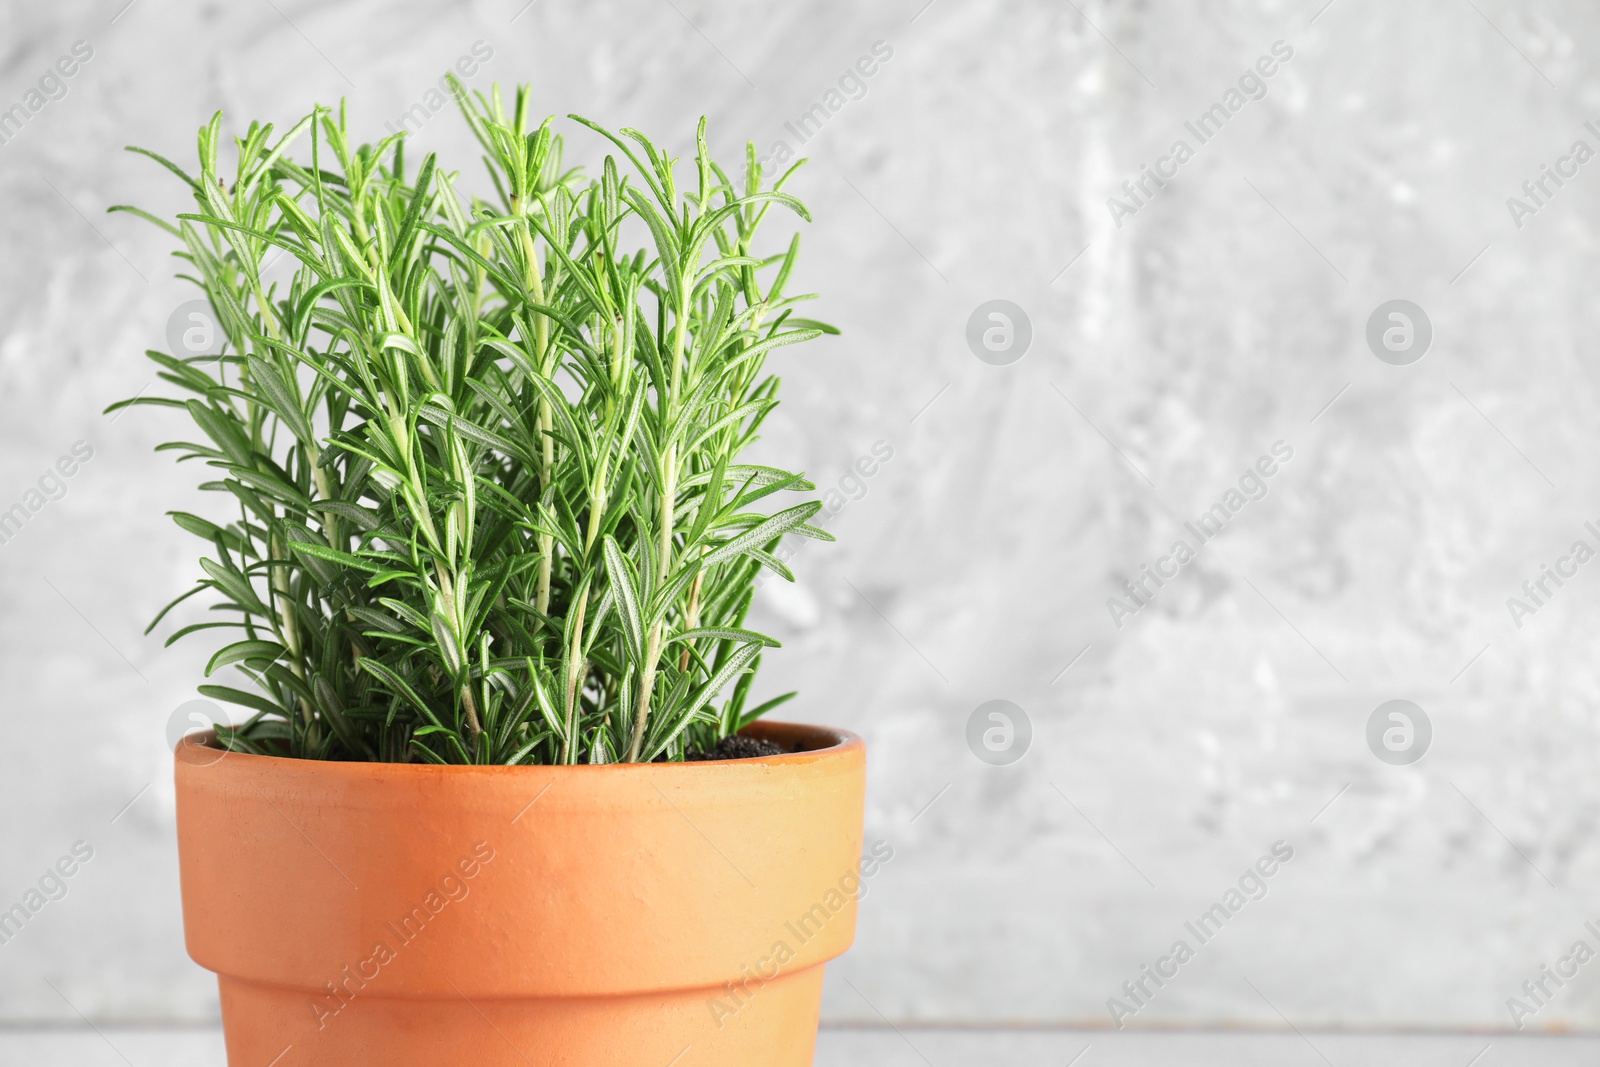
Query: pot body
x=626, y=915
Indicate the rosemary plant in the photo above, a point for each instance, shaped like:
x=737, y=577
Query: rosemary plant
x=484, y=454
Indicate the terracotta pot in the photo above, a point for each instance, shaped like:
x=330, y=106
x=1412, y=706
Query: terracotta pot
x=369, y=913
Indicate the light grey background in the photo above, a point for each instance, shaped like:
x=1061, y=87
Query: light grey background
x=1168, y=354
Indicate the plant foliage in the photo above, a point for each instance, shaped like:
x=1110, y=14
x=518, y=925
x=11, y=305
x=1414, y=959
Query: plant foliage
x=484, y=454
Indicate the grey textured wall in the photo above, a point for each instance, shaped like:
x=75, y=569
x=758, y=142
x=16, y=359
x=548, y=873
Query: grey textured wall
x=1174, y=340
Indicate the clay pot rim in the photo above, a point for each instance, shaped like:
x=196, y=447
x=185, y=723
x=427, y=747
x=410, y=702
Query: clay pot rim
x=831, y=742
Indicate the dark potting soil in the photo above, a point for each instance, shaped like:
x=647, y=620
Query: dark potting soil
x=737, y=746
